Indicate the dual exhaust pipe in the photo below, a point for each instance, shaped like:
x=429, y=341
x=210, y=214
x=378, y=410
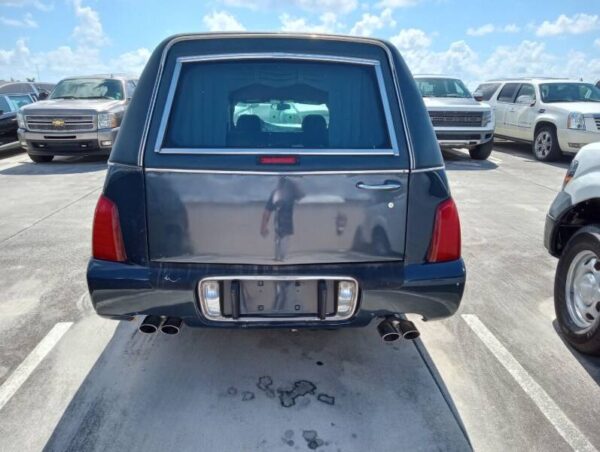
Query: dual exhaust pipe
x=153, y=323
x=391, y=329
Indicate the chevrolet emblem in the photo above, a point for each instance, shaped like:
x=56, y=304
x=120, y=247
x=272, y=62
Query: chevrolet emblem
x=58, y=123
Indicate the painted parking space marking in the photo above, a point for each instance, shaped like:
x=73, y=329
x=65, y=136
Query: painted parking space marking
x=544, y=402
x=29, y=364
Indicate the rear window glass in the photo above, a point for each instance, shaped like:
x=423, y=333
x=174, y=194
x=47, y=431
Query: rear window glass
x=277, y=104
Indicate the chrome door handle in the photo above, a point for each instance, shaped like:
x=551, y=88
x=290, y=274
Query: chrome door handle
x=388, y=186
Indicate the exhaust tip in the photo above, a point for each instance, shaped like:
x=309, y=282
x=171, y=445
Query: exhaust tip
x=408, y=329
x=388, y=331
x=171, y=326
x=150, y=324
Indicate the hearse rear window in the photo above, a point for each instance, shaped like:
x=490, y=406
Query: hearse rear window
x=222, y=106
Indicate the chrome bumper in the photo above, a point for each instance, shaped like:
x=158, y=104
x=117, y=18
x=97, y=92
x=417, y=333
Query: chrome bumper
x=103, y=139
x=451, y=137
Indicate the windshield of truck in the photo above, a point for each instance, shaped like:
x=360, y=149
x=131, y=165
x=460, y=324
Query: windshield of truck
x=569, y=92
x=442, y=87
x=89, y=88
x=277, y=104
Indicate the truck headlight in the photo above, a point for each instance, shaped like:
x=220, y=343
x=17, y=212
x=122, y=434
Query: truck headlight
x=576, y=121
x=487, y=119
x=107, y=121
x=21, y=120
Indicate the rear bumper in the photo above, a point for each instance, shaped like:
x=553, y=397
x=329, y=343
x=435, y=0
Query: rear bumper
x=120, y=290
x=87, y=143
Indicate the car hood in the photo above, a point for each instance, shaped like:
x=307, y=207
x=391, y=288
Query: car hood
x=54, y=106
x=579, y=107
x=453, y=103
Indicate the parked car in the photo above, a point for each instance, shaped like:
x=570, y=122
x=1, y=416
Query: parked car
x=9, y=105
x=572, y=234
x=458, y=118
x=222, y=219
x=37, y=90
x=555, y=115
x=81, y=117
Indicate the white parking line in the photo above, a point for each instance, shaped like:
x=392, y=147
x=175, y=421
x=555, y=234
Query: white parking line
x=26, y=368
x=544, y=402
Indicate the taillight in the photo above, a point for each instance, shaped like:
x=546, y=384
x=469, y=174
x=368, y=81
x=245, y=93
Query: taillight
x=107, y=240
x=445, y=243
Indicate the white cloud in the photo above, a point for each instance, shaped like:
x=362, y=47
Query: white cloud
x=491, y=28
x=337, y=6
x=411, y=39
x=576, y=24
x=480, y=31
x=131, y=62
x=528, y=58
x=597, y=42
x=397, y=3
x=26, y=22
x=89, y=31
x=327, y=24
x=372, y=22
x=20, y=3
x=222, y=21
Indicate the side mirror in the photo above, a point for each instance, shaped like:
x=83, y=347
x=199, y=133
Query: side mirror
x=478, y=96
x=526, y=99
x=43, y=95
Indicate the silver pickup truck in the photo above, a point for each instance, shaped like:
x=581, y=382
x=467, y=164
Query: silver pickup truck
x=458, y=118
x=81, y=117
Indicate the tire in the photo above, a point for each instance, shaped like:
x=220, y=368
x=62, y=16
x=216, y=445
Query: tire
x=545, y=145
x=482, y=151
x=577, y=291
x=41, y=158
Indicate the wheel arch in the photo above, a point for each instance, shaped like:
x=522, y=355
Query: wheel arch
x=580, y=215
x=543, y=122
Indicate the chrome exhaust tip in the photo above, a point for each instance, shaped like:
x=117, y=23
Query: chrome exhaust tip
x=387, y=331
x=151, y=324
x=171, y=326
x=407, y=329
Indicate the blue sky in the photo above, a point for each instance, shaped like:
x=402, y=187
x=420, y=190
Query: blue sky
x=475, y=40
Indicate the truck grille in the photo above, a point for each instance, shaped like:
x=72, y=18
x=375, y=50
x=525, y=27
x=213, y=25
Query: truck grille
x=597, y=121
x=62, y=123
x=456, y=118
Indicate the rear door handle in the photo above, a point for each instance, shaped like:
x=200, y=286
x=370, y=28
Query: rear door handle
x=387, y=186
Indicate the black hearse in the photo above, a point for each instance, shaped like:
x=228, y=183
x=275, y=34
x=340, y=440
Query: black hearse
x=276, y=180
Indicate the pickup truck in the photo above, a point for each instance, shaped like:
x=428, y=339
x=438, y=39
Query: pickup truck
x=458, y=118
x=81, y=117
x=572, y=234
x=276, y=180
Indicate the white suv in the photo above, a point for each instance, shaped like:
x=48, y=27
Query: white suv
x=555, y=115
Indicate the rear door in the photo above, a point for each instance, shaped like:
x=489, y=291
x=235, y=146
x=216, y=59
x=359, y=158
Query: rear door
x=278, y=159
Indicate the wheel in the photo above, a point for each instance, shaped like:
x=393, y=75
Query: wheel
x=577, y=291
x=482, y=151
x=41, y=158
x=545, y=145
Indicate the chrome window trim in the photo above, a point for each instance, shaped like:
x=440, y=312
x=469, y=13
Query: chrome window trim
x=201, y=36
x=333, y=318
x=278, y=173
x=376, y=65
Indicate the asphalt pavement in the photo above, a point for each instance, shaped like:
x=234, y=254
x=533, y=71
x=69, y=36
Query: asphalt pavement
x=497, y=376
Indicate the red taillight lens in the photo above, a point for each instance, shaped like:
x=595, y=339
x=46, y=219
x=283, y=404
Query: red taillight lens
x=445, y=243
x=107, y=240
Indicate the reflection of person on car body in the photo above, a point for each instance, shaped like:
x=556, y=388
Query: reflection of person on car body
x=281, y=202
